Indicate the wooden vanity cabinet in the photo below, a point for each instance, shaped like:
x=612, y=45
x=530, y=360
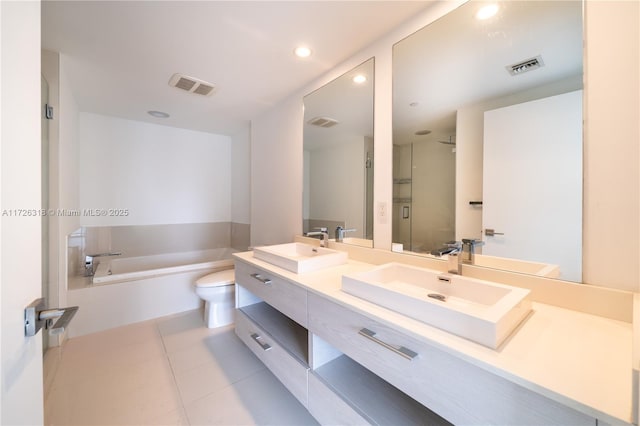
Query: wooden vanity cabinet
x=347, y=368
x=455, y=389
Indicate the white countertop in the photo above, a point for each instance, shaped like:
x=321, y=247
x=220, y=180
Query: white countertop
x=580, y=360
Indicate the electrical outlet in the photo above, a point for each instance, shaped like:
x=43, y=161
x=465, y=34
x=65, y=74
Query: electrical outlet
x=383, y=212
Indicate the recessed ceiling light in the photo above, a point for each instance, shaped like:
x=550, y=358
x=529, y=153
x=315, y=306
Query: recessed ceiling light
x=158, y=114
x=487, y=11
x=359, y=79
x=302, y=52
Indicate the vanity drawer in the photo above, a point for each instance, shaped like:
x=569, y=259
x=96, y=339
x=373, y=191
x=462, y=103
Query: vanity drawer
x=286, y=368
x=288, y=298
x=460, y=392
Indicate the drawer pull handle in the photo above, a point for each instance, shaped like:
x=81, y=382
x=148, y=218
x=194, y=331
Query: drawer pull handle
x=264, y=346
x=265, y=281
x=402, y=351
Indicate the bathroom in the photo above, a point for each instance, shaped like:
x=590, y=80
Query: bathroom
x=261, y=166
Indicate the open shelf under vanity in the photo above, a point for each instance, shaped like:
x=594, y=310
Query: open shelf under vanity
x=372, y=398
x=333, y=387
x=289, y=334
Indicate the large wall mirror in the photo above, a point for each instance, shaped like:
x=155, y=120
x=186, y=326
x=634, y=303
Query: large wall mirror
x=487, y=135
x=338, y=156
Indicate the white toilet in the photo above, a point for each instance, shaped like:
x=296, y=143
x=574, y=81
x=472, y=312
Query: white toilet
x=217, y=290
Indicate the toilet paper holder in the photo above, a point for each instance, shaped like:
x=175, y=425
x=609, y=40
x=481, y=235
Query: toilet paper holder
x=36, y=316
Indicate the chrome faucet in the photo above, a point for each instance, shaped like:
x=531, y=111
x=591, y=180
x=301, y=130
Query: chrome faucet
x=460, y=253
x=469, y=250
x=322, y=231
x=340, y=231
x=89, y=265
x=453, y=250
x=450, y=247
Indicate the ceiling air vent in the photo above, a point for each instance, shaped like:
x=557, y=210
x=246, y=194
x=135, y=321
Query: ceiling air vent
x=524, y=66
x=191, y=84
x=323, y=122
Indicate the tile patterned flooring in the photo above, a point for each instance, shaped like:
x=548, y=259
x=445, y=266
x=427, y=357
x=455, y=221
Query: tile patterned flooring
x=167, y=371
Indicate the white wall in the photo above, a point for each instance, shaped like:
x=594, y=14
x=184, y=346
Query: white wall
x=611, y=217
x=306, y=183
x=276, y=174
x=241, y=176
x=21, y=389
x=160, y=174
x=336, y=187
x=612, y=145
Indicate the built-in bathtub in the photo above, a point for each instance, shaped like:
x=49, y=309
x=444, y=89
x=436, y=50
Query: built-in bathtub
x=129, y=290
x=121, y=269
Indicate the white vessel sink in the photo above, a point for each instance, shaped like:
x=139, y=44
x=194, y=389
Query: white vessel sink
x=300, y=257
x=478, y=310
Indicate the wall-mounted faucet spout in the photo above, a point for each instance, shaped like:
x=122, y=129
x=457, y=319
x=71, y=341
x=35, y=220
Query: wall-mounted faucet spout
x=89, y=265
x=450, y=247
x=469, y=250
x=340, y=231
x=323, y=232
x=460, y=253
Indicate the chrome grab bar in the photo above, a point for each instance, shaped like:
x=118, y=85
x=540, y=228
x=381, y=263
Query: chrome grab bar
x=402, y=351
x=256, y=337
x=265, y=281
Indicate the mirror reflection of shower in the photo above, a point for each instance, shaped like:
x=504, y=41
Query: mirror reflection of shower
x=424, y=190
x=368, y=180
x=338, y=154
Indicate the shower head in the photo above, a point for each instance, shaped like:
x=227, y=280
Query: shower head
x=451, y=141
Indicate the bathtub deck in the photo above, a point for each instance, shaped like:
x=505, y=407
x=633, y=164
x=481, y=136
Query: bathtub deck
x=170, y=371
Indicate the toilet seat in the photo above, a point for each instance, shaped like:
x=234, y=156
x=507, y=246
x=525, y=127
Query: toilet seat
x=217, y=279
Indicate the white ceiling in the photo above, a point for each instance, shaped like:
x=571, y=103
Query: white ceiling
x=119, y=55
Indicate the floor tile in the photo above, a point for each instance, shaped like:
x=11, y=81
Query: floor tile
x=190, y=349
x=173, y=418
x=169, y=371
x=179, y=323
x=135, y=393
x=115, y=337
x=230, y=362
x=177, y=342
x=257, y=400
x=78, y=367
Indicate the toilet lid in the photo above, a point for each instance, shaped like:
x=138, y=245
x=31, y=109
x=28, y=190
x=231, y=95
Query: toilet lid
x=216, y=279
